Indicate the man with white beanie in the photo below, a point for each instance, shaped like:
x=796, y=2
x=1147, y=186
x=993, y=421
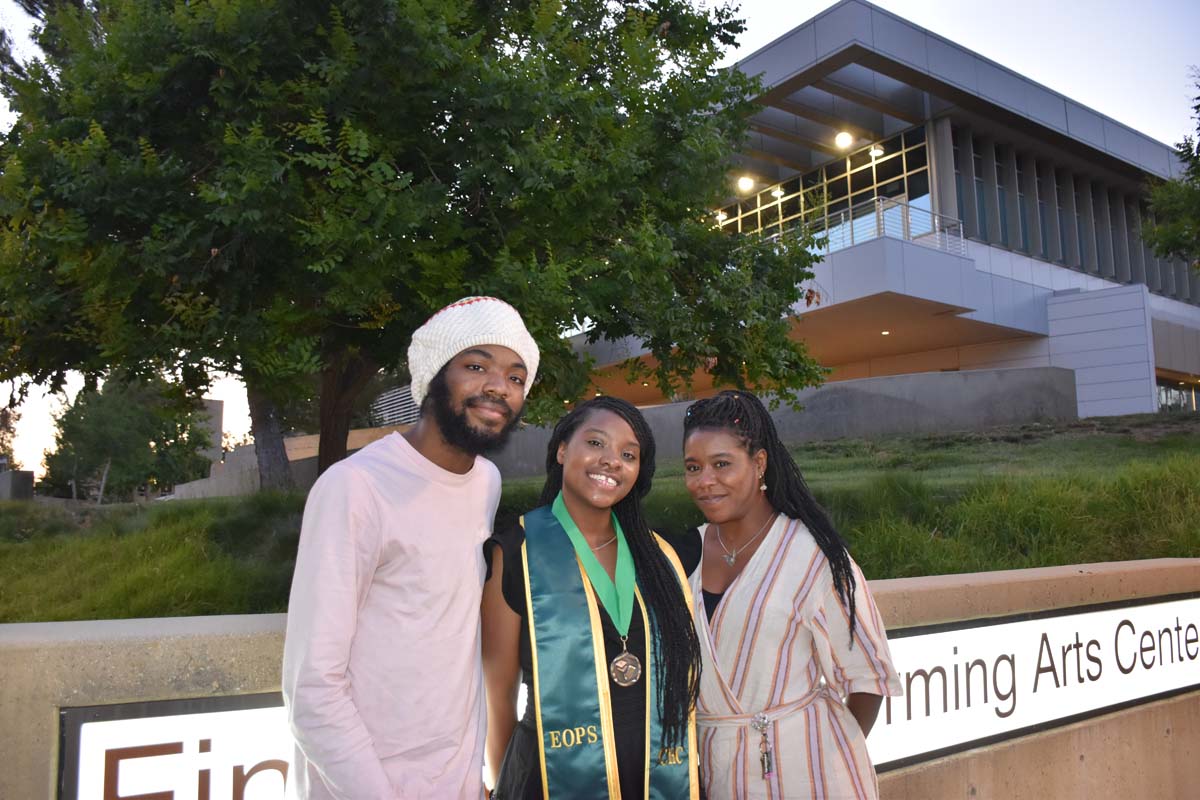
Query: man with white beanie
x=381, y=667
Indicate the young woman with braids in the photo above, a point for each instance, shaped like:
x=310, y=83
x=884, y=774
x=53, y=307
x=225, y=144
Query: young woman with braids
x=795, y=656
x=590, y=610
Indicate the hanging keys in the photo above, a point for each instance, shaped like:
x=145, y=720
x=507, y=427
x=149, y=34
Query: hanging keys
x=760, y=723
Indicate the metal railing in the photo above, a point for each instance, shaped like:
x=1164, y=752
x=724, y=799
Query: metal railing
x=883, y=216
x=395, y=407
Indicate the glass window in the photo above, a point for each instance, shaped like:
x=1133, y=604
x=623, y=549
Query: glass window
x=860, y=159
x=916, y=159
x=918, y=185
x=892, y=188
x=915, y=137
x=791, y=186
x=863, y=179
x=750, y=222
x=837, y=189
x=889, y=168
x=791, y=206
x=746, y=206
x=835, y=168
x=811, y=179
x=891, y=146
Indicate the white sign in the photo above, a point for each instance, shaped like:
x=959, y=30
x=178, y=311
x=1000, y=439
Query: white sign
x=962, y=687
x=971, y=684
x=224, y=755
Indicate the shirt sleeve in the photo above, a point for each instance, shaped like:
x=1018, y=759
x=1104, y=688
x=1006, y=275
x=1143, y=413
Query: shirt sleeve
x=867, y=666
x=509, y=537
x=335, y=564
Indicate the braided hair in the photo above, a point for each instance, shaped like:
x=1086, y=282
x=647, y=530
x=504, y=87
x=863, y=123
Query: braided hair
x=674, y=636
x=745, y=417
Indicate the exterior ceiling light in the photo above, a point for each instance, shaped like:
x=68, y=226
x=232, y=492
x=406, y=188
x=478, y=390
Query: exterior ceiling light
x=876, y=151
x=722, y=216
x=745, y=183
x=777, y=192
x=843, y=139
x=885, y=333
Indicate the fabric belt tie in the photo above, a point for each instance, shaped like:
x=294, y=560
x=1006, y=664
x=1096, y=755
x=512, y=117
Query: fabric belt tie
x=767, y=715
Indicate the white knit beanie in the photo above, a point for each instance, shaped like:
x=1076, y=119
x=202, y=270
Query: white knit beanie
x=466, y=323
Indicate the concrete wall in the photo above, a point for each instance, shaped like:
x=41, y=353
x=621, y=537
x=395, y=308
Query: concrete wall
x=882, y=406
x=934, y=402
x=16, y=485
x=1106, y=337
x=1151, y=750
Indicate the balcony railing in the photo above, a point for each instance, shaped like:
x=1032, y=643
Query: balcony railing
x=882, y=216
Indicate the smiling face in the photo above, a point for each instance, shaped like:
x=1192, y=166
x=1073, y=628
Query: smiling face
x=478, y=397
x=600, y=461
x=722, y=477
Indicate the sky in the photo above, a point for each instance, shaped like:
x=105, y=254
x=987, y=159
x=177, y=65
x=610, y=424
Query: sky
x=1129, y=61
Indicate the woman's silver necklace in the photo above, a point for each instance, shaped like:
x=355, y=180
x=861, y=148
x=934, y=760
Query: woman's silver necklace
x=606, y=544
x=731, y=556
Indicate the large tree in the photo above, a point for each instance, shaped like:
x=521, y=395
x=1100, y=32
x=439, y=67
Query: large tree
x=287, y=189
x=1175, y=204
x=8, y=434
x=123, y=436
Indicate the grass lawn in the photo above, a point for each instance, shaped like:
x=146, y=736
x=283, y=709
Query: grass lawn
x=1098, y=490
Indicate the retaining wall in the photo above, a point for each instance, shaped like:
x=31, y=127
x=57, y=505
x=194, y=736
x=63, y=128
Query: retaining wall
x=1148, y=750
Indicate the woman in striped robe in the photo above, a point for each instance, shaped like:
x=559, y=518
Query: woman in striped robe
x=795, y=656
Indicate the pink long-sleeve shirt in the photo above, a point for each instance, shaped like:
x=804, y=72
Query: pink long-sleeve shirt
x=381, y=665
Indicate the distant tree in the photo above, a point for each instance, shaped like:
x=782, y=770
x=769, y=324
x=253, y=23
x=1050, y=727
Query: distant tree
x=121, y=437
x=286, y=189
x=1175, y=204
x=8, y=433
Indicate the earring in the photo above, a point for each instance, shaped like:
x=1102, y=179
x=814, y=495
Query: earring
x=763, y=486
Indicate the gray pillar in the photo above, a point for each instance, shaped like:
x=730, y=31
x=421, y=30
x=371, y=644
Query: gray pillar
x=1070, y=231
x=1120, y=238
x=1182, y=282
x=1030, y=189
x=1052, y=233
x=1137, y=251
x=1104, y=238
x=991, y=198
x=1153, y=273
x=966, y=169
x=1087, y=225
x=1011, y=199
x=940, y=146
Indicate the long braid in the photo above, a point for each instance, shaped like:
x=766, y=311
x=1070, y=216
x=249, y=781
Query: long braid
x=745, y=416
x=674, y=636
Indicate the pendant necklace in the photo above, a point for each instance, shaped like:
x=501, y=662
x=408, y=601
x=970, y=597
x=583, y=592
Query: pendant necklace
x=731, y=556
x=617, y=594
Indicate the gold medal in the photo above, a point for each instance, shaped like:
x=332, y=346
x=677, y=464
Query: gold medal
x=625, y=669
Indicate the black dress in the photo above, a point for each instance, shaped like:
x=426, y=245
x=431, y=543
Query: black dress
x=520, y=775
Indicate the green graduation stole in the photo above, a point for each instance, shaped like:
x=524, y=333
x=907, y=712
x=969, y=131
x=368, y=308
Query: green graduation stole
x=572, y=697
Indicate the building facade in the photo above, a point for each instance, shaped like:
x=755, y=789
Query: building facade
x=973, y=219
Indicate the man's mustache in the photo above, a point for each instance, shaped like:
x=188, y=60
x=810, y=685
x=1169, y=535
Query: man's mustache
x=499, y=405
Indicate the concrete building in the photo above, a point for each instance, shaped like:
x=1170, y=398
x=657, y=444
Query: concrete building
x=974, y=219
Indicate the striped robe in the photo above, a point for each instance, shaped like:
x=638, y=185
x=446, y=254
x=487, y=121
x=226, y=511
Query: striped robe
x=779, y=644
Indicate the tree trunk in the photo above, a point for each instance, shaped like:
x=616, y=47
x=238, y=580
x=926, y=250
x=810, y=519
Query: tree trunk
x=274, y=471
x=342, y=380
x=103, y=481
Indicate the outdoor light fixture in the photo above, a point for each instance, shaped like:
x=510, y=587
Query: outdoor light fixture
x=876, y=151
x=721, y=216
x=745, y=183
x=885, y=333
x=777, y=192
x=843, y=139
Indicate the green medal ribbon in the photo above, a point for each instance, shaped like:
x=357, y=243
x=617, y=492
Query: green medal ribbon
x=617, y=598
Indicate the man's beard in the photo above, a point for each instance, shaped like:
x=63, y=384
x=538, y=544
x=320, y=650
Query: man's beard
x=458, y=431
